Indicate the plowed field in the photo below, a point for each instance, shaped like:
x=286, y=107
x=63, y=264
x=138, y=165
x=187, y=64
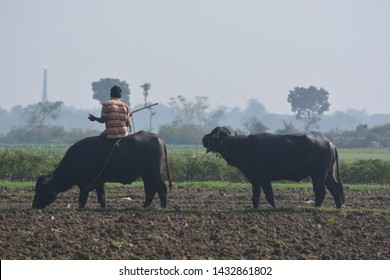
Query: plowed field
x=199, y=223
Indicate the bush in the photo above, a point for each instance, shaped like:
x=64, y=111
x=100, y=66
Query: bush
x=366, y=171
x=189, y=166
x=26, y=165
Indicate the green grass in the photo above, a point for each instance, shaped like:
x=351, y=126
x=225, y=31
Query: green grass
x=16, y=184
x=356, y=154
x=208, y=184
x=198, y=150
x=344, y=154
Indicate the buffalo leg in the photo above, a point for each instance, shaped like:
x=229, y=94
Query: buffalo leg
x=334, y=188
x=269, y=193
x=255, y=195
x=83, y=197
x=149, y=196
x=101, y=195
x=162, y=193
x=150, y=191
x=319, y=190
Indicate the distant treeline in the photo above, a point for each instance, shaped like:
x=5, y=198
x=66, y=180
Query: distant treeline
x=361, y=137
x=46, y=134
x=68, y=124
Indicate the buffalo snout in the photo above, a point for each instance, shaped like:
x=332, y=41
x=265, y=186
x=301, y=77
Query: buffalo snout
x=205, y=141
x=45, y=192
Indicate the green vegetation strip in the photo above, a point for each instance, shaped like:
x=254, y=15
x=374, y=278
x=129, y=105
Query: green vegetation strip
x=364, y=154
x=357, y=166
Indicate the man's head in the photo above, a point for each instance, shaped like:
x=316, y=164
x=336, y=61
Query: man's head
x=116, y=92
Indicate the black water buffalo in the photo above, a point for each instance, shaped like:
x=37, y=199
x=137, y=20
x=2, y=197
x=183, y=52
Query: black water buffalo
x=93, y=161
x=265, y=157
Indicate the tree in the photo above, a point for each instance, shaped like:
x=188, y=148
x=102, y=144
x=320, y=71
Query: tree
x=187, y=134
x=189, y=121
x=38, y=113
x=213, y=119
x=254, y=126
x=146, y=88
x=254, y=107
x=309, y=104
x=101, y=89
x=189, y=112
x=289, y=128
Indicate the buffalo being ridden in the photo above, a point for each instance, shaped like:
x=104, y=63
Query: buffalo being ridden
x=265, y=157
x=93, y=161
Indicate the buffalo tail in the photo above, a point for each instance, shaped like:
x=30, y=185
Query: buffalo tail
x=168, y=169
x=339, y=178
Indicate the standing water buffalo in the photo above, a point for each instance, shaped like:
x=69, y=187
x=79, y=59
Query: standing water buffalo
x=264, y=158
x=93, y=161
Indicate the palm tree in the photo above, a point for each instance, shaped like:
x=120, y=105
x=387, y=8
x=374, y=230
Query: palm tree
x=146, y=87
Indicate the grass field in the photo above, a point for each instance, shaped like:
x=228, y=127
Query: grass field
x=198, y=150
x=357, y=154
x=344, y=154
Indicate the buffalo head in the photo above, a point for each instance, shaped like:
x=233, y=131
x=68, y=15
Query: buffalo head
x=212, y=140
x=44, y=192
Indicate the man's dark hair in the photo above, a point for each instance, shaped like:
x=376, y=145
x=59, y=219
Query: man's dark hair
x=116, y=92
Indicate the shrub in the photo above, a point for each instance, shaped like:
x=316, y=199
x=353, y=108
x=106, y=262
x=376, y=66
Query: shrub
x=366, y=171
x=192, y=168
x=26, y=165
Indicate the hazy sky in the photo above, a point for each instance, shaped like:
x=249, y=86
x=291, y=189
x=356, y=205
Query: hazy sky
x=230, y=51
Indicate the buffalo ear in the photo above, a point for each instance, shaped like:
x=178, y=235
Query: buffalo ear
x=227, y=130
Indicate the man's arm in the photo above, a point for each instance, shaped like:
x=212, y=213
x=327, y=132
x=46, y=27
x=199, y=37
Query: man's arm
x=92, y=118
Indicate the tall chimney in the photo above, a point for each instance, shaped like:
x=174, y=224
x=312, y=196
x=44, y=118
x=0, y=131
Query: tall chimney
x=44, y=92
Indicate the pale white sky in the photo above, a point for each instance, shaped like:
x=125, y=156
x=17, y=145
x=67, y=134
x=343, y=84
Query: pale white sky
x=230, y=51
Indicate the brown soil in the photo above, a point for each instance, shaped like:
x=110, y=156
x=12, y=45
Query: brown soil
x=204, y=223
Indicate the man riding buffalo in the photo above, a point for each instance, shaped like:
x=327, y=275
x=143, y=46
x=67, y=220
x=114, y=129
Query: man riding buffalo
x=93, y=161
